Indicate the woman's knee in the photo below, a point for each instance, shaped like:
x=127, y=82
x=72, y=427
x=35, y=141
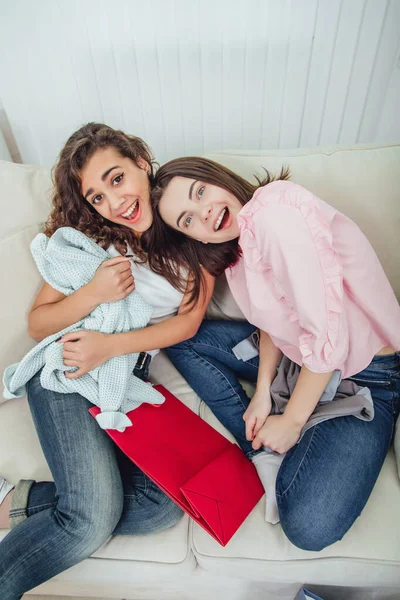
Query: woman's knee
x=312, y=527
x=89, y=523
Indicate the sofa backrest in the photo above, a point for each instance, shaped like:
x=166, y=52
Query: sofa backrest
x=24, y=206
x=362, y=182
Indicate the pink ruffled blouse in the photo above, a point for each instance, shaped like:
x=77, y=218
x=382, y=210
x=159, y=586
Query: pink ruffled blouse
x=309, y=277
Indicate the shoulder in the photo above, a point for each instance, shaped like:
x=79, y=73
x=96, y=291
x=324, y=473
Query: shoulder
x=275, y=206
x=281, y=193
x=282, y=205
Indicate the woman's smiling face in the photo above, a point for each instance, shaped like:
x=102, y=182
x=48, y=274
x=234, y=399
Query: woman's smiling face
x=200, y=210
x=118, y=189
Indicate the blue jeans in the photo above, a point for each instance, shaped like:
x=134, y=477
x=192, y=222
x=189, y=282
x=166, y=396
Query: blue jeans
x=97, y=492
x=326, y=479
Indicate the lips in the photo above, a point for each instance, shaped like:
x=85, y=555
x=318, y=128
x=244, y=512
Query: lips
x=132, y=214
x=222, y=220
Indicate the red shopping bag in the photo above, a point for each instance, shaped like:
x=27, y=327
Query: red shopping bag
x=205, y=474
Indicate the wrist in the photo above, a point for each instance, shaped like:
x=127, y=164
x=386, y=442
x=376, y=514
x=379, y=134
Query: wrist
x=91, y=294
x=263, y=387
x=112, y=346
x=262, y=395
x=122, y=343
x=295, y=420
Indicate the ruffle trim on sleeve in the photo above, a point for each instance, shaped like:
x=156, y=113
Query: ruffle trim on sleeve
x=316, y=353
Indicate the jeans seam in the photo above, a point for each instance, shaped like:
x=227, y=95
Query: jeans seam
x=39, y=507
x=299, y=466
x=222, y=375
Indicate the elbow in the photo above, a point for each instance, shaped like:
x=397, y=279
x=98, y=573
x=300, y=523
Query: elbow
x=192, y=330
x=33, y=333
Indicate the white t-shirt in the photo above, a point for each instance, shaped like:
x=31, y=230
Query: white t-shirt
x=155, y=289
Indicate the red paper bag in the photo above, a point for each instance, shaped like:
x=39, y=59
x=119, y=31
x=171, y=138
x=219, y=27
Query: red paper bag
x=205, y=474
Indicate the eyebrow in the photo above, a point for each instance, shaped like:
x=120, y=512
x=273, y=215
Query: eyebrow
x=190, y=198
x=103, y=178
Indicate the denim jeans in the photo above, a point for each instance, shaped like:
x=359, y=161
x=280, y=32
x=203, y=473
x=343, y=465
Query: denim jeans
x=326, y=479
x=97, y=492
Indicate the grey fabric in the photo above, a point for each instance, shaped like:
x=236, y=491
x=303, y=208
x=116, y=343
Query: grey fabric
x=341, y=398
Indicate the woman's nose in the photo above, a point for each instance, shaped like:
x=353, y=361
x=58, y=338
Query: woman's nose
x=116, y=202
x=205, y=212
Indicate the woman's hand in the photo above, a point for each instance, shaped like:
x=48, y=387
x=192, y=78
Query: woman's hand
x=279, y=433
x=85, y=350
x=112, y=281
x=256, y=413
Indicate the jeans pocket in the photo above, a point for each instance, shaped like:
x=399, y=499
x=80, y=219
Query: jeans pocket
x=373, y=378
x=371, y=382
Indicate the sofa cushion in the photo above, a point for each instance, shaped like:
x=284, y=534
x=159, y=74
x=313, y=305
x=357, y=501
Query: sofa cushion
x=368, y=553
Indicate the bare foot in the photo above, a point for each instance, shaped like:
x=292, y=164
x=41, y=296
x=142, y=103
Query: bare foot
x=5, y=511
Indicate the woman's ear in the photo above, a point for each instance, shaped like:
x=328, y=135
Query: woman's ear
x=143, y=164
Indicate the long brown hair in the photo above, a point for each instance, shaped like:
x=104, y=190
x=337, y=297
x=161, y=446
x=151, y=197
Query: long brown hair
x=69, y=208
x=174, y=249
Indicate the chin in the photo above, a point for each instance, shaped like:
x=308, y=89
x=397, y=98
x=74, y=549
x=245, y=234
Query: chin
x=141, y=227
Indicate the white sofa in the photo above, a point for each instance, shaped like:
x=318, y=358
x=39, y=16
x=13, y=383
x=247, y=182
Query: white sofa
x=184, y=562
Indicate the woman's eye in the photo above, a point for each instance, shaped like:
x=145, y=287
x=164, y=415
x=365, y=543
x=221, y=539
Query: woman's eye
x=188, y=220
x=118, y=179
x=96, y=199
x=200, y=191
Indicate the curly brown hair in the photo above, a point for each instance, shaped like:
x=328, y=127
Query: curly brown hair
x=69, y=208
x=174, y=248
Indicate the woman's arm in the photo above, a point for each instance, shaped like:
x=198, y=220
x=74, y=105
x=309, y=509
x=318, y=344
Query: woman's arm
x=169, y=332
x=295, y=240
x=260, y=405
x=270, y=356
x=281, y=432
x=307, y=392
x=52, y=311
x=89, y=349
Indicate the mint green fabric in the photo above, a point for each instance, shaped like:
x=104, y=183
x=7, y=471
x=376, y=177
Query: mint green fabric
x=67, y=261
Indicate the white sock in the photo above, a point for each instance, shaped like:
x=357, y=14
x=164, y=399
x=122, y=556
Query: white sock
x=267, y=465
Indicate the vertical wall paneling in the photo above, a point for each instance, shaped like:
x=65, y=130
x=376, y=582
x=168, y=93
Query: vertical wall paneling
x=341, y=72
x=368, y=39
x=302, y=26
x=277, y=34
x=326, y=26
x=192, y=76
x=385, y=69
x=233, y=79
x=211, y=21
x=255, y=57
x=189, y=32
x=74, y=33
x=166, y=36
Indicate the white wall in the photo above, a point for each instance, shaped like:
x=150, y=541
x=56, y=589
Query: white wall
x=192, y=76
